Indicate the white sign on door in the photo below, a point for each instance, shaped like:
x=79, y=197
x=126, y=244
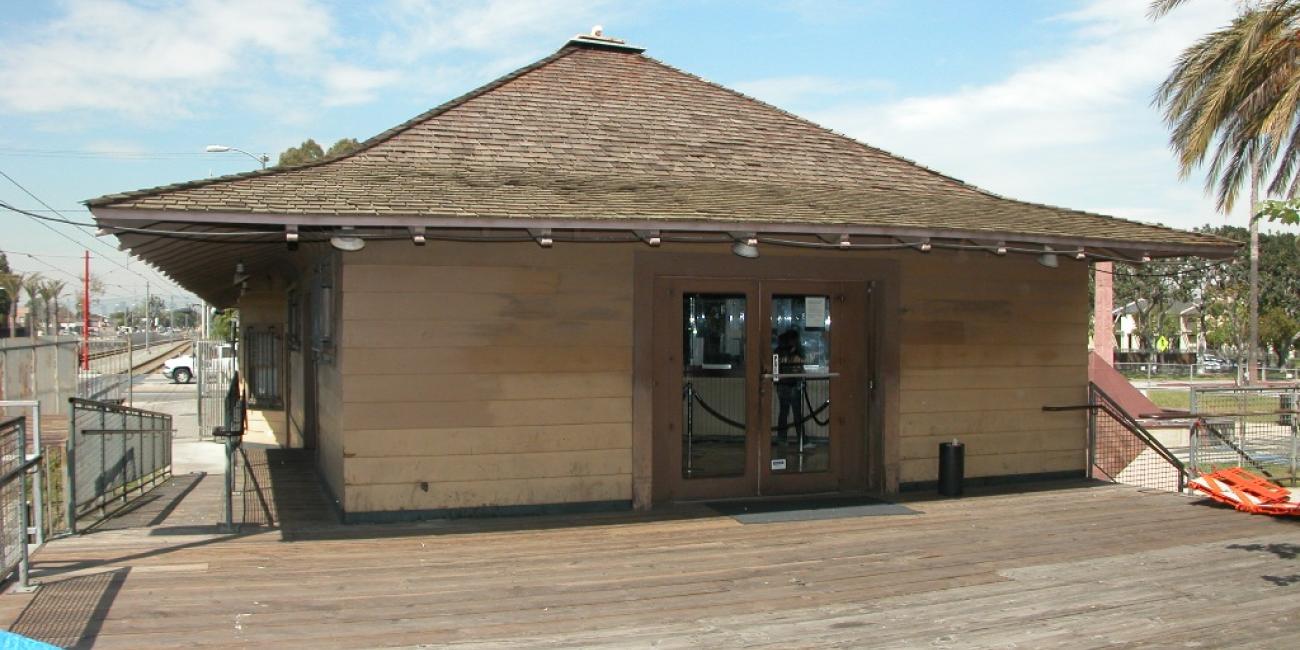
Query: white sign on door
x=814, y=312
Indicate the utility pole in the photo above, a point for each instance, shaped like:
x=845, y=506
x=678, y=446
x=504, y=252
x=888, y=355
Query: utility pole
x=148, y=322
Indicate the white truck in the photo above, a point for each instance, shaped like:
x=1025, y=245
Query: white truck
x=181, y=369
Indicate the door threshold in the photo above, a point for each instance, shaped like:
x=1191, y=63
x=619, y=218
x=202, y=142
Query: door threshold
x=775, y=498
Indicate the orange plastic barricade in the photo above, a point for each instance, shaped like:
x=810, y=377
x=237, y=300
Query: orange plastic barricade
x=1247, y=492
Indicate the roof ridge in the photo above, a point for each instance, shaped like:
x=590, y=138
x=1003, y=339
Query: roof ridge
x=366, y=145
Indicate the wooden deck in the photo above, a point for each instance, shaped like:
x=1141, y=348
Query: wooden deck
x=1074, y=566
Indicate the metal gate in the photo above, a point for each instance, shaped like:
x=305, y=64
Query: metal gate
x=215, y=367
x=1250, y=427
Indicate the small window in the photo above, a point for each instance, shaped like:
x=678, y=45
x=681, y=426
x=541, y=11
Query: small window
x=265, y=364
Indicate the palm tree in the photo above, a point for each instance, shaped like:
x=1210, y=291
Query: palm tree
x=12, y=285
x=32, y=286
x=50, y=290
x=1236, y=92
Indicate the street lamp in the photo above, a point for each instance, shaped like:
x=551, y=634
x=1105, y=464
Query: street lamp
x=221, y=148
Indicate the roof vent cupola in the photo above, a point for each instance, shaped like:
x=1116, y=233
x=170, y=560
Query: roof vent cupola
x=597, y=38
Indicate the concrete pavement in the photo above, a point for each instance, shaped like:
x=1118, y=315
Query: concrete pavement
x=189, y=454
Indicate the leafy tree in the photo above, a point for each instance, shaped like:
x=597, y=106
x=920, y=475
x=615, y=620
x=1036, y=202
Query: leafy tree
x=4, y=295
x=310, y=151
x=1278, y=330
x=342, y=146
x=50, y=290
x=1149, y=292
x=32, y=285
x=12, y=285
x=223, y=324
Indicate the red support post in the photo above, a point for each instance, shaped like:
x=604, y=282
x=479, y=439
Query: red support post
x=85, y=316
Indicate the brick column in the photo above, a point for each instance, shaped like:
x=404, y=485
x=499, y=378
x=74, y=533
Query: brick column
x=1103, y=337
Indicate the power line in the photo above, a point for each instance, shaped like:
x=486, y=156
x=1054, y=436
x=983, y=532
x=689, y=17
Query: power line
x=47, y=205
x=14, y=252
x=74, y=153
x=47, y=264
x=1200, y=269
x=164, y=234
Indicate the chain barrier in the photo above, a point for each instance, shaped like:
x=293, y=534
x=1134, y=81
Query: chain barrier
x=692, y=397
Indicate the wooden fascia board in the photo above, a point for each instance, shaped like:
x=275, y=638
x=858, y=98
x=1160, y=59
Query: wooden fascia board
x=107, y=216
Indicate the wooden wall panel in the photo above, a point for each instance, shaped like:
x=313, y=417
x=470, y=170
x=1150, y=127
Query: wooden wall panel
x=468, y=441
x=486, y=376
x=488, y=467
x=987, y=342
x=486, y=493
x=428, y=387
x=478, y=370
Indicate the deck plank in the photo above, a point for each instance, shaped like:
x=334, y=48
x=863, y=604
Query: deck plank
x=1083, y=565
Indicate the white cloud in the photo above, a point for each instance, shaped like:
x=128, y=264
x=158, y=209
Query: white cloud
x=348, y=84
x=787, y=90
x=150, y=60
x=422, y=27
x=1075, y=127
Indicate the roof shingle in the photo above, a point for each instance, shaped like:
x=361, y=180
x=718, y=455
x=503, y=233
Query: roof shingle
x=600, y=134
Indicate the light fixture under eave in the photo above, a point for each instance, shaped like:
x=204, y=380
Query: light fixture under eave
x=1080, y=254
x=747, y=248
x=1146, y=257
x=417, y=235
x=346, y=241
x=1048, y=258
x=926, y=245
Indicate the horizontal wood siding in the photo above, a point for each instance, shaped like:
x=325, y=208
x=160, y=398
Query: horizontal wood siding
x=987, y=342
x=330, y=433
x=481, y=376
x=476, y=375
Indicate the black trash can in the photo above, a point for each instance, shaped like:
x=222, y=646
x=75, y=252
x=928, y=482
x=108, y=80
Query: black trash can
x=952, y=468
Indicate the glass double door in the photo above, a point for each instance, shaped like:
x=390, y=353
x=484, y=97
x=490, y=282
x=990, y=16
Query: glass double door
x=763, y=370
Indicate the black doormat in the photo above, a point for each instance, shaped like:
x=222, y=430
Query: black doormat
x=808, y=509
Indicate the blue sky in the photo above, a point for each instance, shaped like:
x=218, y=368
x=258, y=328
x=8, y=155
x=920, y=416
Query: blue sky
x=1042, y=100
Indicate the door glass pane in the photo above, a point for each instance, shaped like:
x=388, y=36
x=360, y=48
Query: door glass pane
x=713, y=385
x=801, y=404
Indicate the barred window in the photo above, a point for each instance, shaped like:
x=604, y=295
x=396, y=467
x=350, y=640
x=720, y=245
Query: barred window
x=263, y=350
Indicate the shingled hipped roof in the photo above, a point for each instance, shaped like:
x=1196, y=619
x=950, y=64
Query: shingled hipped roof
x=600, y=136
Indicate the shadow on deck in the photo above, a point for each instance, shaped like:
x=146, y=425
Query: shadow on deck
x=1081, y=565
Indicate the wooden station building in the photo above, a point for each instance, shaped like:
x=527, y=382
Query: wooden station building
x=602, y=282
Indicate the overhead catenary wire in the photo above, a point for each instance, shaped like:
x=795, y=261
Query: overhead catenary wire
x=48, y=206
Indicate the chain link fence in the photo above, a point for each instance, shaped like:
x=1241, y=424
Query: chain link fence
x=105, y=373
x=113, y=451
x=1152, y=371
x=1122, y=450
x=1250, y=427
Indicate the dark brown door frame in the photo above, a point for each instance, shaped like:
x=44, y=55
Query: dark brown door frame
x=884, y=312
x=668, y=447
x=848, y=353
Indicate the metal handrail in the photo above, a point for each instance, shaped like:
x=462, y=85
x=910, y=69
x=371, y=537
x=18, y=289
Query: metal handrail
x=1116, y=411
x=19, y=473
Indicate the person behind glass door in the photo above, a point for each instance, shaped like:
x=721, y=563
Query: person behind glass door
x=789, y=390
